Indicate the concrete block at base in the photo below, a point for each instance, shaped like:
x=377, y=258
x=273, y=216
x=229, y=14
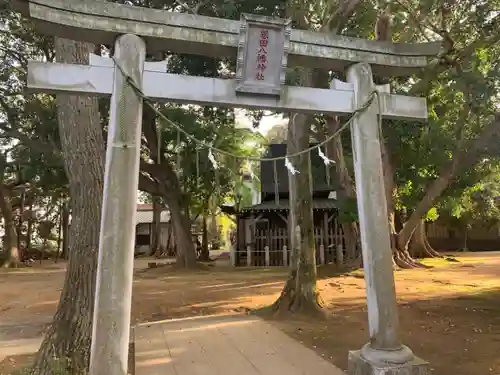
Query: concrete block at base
x=357, y=365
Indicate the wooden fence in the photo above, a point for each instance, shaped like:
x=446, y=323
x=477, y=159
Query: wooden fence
x=271, y=247
x=443, y=236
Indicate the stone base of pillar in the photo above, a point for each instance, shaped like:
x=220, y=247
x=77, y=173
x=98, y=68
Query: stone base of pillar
x=358, y=365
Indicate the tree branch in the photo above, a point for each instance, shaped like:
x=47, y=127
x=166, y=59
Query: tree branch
x=461, y=57
x=337, y=21
x=484, y=145
x=40, y=146
x=148, y=185
x=189, y=9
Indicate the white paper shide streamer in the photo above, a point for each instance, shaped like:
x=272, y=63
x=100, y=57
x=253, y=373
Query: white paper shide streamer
x=324, y=157
x=212, y=159
x=290, y=167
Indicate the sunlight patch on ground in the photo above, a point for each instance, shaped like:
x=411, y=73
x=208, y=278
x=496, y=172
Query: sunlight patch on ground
x=449, y=313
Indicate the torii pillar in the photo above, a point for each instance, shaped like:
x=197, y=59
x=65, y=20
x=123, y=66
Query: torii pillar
x=113, y=299
x=384, y=354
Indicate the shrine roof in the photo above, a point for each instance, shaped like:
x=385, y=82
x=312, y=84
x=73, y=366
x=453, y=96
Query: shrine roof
x=284, y=205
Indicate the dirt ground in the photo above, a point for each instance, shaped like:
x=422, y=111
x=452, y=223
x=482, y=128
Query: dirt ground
x=450, y=314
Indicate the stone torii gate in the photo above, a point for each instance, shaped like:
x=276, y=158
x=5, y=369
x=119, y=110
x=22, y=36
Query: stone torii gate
x=264, y=47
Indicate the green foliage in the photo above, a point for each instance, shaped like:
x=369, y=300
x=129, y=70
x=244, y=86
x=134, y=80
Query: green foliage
x=462, y=98
x=28, y=129
x=29, y=138
x=432, y=214
x=478, y=203
x=462, y=93
x=199, y=179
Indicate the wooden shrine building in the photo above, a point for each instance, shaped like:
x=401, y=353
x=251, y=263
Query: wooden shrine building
x=262, y=229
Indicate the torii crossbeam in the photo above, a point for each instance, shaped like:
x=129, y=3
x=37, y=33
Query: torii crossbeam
x=158, y=85
x=101, y=22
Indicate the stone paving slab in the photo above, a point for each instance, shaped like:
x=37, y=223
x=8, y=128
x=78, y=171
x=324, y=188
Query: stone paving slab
x=220, y=345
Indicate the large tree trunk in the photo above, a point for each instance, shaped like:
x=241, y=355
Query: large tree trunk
x=335, y=24
x=181, y=224
x=167, y=185
x=185, y=252
x=401, y=256
x=29, y=229
x=414, y=226
x=213, y=229
x=12, y=257
x=156, y=226
x=353, y=258
x=345, y=192
x=300, y=294
x=69, y=336
x=59, y=231
x=465, y=157
x=419, y=247
x=466, y=238
x=205, y=253
x=65, y=230
x=341, y=178
x=433, y=192
x=20, y=226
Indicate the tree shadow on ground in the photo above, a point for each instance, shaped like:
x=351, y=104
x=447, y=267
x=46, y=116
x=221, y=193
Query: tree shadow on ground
x=458, y=335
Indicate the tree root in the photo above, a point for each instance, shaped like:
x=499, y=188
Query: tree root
x=429, y=250
x=431, y=253
x=54, y=358
x=403, y=260
x=205, y=258
x=403, y=264
x=292, y=303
